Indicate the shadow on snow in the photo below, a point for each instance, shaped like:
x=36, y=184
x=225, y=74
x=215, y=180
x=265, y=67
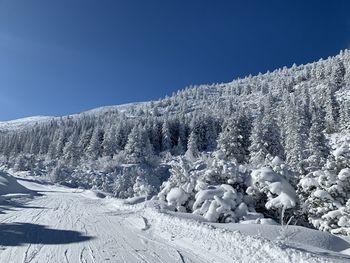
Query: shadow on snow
x=17, y=234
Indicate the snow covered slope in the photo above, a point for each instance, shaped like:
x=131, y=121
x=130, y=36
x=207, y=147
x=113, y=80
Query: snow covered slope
x=9, y=185
x=65, y=225
x=23, y=122
x=29, y=122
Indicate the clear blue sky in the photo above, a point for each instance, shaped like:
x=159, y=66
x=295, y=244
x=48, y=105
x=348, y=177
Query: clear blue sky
x=66, y=56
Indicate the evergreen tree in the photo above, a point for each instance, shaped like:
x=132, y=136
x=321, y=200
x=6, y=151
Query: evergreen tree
x=138, y=149
x=245, y=123
x=258, y=148
x=344, y=115
x=317, y=144
x=109, y=144
x=166, y=137
x=231, y=141
x=94, y=148
x=192, y=149
x=331, y=109
x=295, y=138
x=337, y=73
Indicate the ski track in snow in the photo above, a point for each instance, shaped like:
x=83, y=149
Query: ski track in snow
x=41, y=231
x=113, y=238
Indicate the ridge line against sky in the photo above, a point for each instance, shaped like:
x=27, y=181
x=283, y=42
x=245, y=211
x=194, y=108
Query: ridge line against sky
x=63, y=57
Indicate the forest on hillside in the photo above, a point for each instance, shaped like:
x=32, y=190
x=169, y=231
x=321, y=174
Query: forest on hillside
x=267, y=147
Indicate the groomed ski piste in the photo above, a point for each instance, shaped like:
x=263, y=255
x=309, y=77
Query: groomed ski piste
x=43, y=222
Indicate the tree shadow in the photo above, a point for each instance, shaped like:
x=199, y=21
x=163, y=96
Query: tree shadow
x=12, y=205
x=18, y=234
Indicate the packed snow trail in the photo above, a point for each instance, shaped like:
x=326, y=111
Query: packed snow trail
x=71, y=225
x=65, y=225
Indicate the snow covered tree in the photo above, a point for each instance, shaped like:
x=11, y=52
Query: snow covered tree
x=344, y=115
x=245, y=124
x=138, y=149
x=94, y=147
x=72, y=151
x=338, y=72
x=166, y=137
x=317, y=145
x=59, y=173
x=258, y=148
x=271, y=133
x=331, y=109
x=192, y=149
x=296, y=136
x=142, y=187
x=231, y=141
x=109, y=144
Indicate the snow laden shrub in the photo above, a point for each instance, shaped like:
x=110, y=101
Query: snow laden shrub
x=219, y=203
x=271, y=191
x=211, y=187
x=340, y=158
x=142, y=187
x=315, y=199
x=136, y=180
x=59, y=173
x=343, y=220
x=325, y=193
x=123, y=183
x=179, y=189
x=25, y=162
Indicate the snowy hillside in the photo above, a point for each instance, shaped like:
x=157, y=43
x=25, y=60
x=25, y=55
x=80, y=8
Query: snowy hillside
x=30, y=122
x=268, y=149
x=24, y=123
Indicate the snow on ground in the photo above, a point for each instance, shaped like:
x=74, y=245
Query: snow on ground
x=72, y=225
x=237, y=242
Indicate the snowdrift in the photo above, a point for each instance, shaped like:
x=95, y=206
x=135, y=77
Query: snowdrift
x=9, y=185
x=297, y=235
x=234, y=242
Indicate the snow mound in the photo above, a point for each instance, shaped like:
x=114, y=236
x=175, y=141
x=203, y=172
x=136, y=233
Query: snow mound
x=176, y=197
x=296, y=235
x=134, y=200
x=9, y=185
x=235, y=242
x=93, y=194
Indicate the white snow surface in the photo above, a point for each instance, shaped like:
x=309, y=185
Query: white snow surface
x=72, y=225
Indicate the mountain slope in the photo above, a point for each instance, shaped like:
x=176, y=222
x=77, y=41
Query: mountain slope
x=251, y=149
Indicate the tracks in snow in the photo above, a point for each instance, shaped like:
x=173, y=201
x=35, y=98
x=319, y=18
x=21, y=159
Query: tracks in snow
x=70, y=227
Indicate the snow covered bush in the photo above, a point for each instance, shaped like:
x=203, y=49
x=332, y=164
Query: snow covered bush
x=211, y=187
x=343, y=220
x=59, y=173
x=271, y=190
x=220, y=203
x=142, y=187
x=183, y=179
x=134, y=180
x=324, y=194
